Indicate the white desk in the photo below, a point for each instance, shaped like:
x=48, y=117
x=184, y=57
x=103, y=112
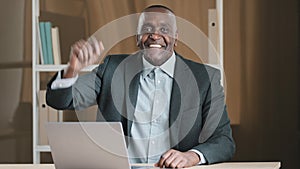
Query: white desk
x=239, y=165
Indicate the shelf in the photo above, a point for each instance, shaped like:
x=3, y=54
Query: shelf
x=55, y=68
x=15, y=65
x=43, y=148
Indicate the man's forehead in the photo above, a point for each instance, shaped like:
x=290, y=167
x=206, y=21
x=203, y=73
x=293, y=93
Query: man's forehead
x=158, y=9
x=157, y=16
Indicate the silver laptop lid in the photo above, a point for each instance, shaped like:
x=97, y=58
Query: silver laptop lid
x=88, y=145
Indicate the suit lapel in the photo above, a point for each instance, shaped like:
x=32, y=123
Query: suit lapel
x=173, y=114
x=184, y=104
x=175, y=103
x=133, y=68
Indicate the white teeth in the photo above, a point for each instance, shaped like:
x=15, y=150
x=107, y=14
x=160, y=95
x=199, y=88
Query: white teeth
x=155, y=46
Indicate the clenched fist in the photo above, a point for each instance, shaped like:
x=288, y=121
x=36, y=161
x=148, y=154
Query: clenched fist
x=83, y=53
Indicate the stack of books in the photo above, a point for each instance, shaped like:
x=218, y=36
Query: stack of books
x=49, y=42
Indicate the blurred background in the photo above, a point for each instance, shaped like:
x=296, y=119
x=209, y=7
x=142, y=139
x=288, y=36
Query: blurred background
x=261, y=63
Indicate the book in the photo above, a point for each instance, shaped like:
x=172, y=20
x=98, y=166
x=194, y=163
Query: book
x=48, y=26
x=43, y=43
x=40, y=44
x=67, y=34
x=56, y=45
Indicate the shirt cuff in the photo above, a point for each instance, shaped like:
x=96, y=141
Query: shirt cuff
x=202, y=159
x=60, y=83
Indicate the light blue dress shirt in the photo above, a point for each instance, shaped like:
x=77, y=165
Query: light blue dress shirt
x=150, y=128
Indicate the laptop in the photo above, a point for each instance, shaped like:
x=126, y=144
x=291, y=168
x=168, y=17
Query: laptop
x=88, y=145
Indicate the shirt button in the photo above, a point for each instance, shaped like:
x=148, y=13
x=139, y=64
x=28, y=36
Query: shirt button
x=152, y=142
x=158, y=81
x=60, y=85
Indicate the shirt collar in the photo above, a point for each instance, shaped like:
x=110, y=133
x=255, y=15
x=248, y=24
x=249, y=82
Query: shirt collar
x=168, y=67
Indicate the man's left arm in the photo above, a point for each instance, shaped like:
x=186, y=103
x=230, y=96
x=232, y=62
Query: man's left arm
x=215, y=143
x=219, y=147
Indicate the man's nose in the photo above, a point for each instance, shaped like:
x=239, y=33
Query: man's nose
x=155, y=36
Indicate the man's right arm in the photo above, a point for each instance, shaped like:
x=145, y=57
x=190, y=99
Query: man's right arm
x=60, y=83
x=57, y=96
x=63, y=92
x=80, y=95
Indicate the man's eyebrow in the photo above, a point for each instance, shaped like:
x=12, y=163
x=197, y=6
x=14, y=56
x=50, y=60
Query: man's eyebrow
x=160, y=24
x=147, y=24
x=165, y=24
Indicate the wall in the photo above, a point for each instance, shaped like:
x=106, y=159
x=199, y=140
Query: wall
x=15, y=113
x=270, y=83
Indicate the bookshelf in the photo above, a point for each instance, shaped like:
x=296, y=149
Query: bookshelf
x=55, y=68
x=38, y=69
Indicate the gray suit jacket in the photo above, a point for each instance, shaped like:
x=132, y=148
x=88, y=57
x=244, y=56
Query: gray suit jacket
x=198, y=118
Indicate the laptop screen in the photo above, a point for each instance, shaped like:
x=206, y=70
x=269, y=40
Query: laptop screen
x=88, y=145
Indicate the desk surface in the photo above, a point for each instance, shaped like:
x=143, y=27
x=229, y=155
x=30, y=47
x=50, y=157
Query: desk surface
x=239, y=165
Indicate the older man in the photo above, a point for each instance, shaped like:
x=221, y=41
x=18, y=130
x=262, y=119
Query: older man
x=172, y=109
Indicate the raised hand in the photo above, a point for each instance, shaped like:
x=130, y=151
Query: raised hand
x=83, y=53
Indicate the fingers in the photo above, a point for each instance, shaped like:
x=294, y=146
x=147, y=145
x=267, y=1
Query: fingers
x=86, y=56
x=84, y=53
x=163, y=158
x=101, y=46
x=174, y=159
x=77, y=52
x=87, y=52
x=177, y=162
x=89, y=49
x=97, y=45
x=169, y=159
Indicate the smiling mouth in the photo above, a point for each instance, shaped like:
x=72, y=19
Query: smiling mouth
x=158, y=46
x=155, y=46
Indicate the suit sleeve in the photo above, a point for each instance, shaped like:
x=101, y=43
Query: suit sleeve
x=215, y=141
x=80, y=95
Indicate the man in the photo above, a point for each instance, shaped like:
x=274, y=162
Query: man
x=172, y=109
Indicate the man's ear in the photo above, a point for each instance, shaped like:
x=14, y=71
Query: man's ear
x=138, y=40
x=176, y=39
